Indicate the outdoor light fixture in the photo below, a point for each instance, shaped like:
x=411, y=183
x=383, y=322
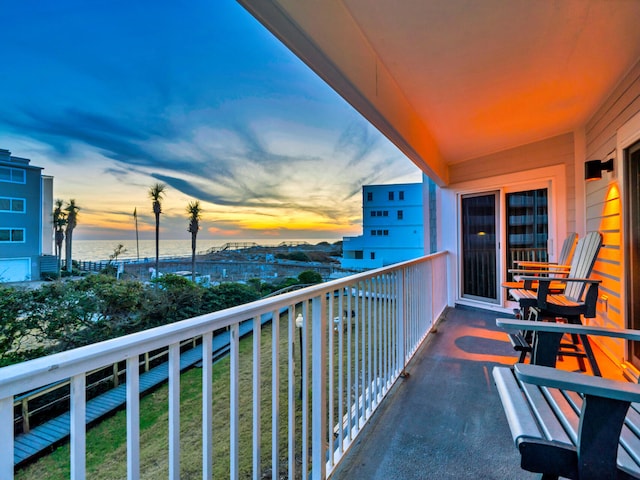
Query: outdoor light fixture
x=593, y=168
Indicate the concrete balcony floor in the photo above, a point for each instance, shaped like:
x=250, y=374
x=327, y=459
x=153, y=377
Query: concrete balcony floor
x=445, y=421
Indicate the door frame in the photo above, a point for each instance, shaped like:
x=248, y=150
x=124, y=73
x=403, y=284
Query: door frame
x=553, y=178
x=497, y=216
x=626, y=136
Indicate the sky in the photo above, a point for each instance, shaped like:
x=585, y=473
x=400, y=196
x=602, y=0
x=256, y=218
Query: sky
x=112, y=96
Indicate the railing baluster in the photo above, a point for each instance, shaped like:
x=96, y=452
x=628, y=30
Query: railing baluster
x=133, y=418
x=257, y=332
x=6, y=437
x=78, y=426
x=305, y=391
x=356, y=359
x=291, y=391
x=375, y=346
x=330, y=325
x=349, y=391
x=207, y=406
x=234, y=410
x=174, y=411
x=319, y=398
x=341, y=327
x=275, y=395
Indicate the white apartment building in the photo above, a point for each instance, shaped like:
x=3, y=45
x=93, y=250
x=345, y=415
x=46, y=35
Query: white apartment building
x=26, y=230
x=392, y=227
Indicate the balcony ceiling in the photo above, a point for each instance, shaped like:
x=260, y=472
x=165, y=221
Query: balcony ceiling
x=452, y=80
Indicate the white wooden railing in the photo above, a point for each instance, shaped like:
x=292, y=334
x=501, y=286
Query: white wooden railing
x=357, y=334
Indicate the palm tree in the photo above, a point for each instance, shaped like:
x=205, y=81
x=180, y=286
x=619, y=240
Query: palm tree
x=156, y=193
x=59, y=221
x=72, y=220
x=195, y=213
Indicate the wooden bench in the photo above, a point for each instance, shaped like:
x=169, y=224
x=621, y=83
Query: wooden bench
x=568, y=424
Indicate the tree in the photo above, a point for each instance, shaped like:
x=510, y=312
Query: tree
x=59, y=221
x=72, y=220
x=309, y=276
x=156, y=194
x=195, y=213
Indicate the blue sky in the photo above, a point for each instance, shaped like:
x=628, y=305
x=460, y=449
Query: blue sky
x=112, y=96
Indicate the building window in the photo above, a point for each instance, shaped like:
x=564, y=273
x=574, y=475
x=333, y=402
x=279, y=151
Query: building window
x=11, y=235
x=15, y=205
x=401, y=195
x=400, y=214
x=385, y=233
x=359, y=255
x=385, y=213
x=373, y=213
x=390, y=195
x=373, y=255
x=12, y=175
x=369, y=196
x=373, y=232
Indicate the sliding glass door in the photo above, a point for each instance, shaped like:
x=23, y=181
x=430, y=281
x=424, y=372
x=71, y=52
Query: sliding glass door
x=480, y=246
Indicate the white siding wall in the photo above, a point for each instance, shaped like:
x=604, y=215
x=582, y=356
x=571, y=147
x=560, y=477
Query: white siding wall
x=604, y=207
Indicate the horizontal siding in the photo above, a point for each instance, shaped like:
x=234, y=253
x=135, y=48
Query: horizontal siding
x=557, y=150
x=604, y=205
x=552, y=151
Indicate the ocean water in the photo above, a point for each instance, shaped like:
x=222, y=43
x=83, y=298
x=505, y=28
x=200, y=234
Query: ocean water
x=97, y=250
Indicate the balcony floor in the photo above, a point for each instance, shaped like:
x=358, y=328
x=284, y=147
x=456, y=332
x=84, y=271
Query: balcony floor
x=445, y=421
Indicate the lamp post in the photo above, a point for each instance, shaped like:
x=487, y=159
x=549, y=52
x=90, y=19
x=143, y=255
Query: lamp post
x=299, y=324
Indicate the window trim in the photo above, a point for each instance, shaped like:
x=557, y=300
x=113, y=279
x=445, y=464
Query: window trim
x=11, y=230
x=11, y=200
x=11, y=172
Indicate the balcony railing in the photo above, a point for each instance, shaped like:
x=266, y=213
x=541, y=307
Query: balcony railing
x=355, y=337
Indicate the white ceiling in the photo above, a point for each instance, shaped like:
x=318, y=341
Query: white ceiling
x=485, y=75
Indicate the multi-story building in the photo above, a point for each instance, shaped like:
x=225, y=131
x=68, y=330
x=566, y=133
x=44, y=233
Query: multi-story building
x=392, y=227
x=26, y=232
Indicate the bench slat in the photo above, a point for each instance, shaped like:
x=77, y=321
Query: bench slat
x=545, y=415
x=564, y=410
x=521, y=422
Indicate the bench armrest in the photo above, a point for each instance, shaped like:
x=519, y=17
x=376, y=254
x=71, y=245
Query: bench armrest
x=513, y=324
x=541, y=264
x=561, y=279
x=578, y=382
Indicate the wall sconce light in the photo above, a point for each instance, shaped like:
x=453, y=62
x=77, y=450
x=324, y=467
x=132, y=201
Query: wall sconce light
x=593, y=168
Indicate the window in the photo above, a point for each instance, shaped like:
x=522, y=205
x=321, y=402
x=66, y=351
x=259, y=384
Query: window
x=385, y=233
x=369, y=196
x=12, y=235
x=373, y=255
x=390, y=195
x=385, y=213
x=400, y=214
x=12, y=175
x=16, y=205
x=401, y=195
x=359, y=255
x=373, y=233
x=374, y=213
